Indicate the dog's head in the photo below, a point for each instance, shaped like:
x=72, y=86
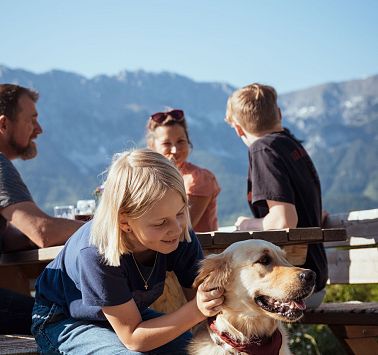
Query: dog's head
x=258, y=279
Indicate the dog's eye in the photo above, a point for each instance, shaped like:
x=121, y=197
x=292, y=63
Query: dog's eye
x=265, y=260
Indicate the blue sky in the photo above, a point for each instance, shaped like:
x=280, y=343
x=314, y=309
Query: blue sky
x=290, y=44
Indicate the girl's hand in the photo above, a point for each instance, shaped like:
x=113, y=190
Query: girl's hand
x=209, y=301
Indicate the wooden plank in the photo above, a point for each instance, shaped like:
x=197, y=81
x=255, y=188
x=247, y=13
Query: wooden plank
x=334, y=234
x=12, y=277
x=354, y=242
x=363, y=215
x=17, y=344
x=30, y=256
x=206, y=239
x=352, y=266
x=357, y=223
x=276, y=236
x=363, y=346
x=296, y=254
x=345, y=218
x=225, y=239
x=359, y=331
x=339, y=332
x=343, y=313
x=305, y=234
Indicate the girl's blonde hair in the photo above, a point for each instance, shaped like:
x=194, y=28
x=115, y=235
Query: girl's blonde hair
x=136, y=180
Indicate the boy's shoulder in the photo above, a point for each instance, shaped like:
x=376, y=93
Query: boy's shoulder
x=270, y=140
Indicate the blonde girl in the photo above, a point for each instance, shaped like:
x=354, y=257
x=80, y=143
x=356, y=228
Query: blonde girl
x=94, y=297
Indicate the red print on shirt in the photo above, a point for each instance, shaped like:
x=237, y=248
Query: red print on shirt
x=299, y=153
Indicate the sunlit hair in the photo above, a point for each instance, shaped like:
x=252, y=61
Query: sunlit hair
x=136, y=180
x=9, y=97
x=254, y=107
x=169, y=121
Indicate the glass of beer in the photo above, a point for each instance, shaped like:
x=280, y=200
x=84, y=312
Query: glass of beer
x=85, y=209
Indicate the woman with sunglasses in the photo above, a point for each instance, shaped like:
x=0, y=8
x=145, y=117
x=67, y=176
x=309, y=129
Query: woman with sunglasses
x=167, y=134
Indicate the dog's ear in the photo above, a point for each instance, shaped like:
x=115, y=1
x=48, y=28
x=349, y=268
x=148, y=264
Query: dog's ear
x=215, y=271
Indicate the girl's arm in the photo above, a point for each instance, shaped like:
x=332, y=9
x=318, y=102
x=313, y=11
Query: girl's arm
x=139, y=335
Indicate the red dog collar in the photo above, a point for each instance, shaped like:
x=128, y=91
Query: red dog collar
x=255, y=346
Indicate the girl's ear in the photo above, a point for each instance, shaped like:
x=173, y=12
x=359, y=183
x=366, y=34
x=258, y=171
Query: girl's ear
x=123, y=223
x=215, y=272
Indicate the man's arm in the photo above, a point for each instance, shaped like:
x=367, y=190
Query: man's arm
x=42, y=229
x=13, y=239
x=281, y=215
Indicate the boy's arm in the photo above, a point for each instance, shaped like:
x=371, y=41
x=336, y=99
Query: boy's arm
x=281, y=215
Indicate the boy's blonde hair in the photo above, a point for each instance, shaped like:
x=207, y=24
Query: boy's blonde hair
x=136, y=180
x=254, y=107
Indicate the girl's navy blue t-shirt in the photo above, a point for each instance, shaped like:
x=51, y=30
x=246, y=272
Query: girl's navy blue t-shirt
x=79, y=280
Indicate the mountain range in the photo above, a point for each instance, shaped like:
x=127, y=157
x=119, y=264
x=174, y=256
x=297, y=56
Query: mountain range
x=87, y=120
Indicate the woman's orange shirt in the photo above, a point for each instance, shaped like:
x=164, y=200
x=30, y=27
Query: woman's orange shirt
x=202, y=182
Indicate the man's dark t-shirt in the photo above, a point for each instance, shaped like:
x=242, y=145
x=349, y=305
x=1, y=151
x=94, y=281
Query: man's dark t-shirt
x=12, y=189
x=281, y=170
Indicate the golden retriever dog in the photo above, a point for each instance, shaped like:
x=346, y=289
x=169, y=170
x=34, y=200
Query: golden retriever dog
x=261, y=289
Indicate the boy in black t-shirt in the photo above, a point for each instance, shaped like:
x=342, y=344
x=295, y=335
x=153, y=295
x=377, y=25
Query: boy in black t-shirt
x=283, y=185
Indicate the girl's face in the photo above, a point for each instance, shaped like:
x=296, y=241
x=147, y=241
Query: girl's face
x=161, y=227
x=171, y=142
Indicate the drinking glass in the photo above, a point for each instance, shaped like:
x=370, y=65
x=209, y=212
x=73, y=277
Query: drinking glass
x=67, y=211
x=85, y=209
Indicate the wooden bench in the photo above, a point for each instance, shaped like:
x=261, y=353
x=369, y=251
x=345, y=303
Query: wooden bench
x=295, y=241
x=17, y=344
x=354, y=261
x=21, y=266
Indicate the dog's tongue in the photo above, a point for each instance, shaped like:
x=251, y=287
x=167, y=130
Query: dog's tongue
x=300, y=304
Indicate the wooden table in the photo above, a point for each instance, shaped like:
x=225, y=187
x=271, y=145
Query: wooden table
x=212, y=241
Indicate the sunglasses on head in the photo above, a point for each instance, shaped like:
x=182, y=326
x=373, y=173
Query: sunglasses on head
x=159, y=117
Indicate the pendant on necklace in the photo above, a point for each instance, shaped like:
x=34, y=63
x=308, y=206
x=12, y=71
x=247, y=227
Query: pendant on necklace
x=146, y=286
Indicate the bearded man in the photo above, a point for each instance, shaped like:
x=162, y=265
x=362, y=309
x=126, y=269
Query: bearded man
x=23, y=224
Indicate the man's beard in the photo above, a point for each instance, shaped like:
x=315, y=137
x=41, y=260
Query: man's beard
x=24, y=153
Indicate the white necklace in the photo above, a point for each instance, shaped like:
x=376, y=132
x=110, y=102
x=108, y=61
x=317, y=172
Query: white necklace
x=140, y=273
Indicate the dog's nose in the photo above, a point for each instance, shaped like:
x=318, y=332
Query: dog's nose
x=307, y=276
